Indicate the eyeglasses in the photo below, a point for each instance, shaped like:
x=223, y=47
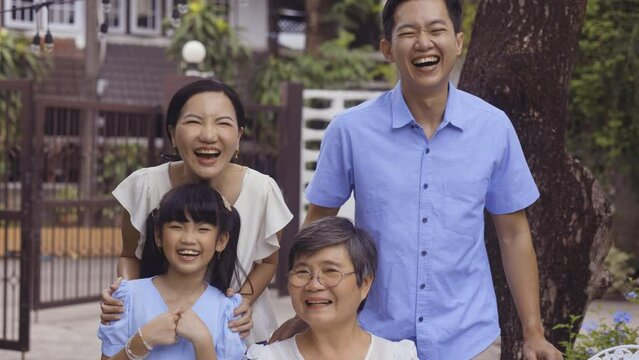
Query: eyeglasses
x=328, y=278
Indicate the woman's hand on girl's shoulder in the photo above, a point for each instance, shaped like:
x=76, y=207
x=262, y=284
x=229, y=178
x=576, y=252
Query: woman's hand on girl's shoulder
x=244, y=323
x=110, y=307
x=192, y=328
x=162, y=330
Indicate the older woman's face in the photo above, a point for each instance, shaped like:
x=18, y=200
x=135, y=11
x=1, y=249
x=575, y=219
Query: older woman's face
x=207, y=134
x=318, y=305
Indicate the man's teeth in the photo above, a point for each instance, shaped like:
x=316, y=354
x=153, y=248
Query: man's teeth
x=186, y=252
x=426, y=61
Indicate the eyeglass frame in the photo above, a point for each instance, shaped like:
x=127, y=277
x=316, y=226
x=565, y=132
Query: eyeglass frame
x=314, y=275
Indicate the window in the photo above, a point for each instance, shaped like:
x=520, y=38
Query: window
x=61, y=16
x=117, y=17
x=146, y=17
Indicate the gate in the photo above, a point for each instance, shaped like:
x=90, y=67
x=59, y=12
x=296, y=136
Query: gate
x=84, y=149
x=16, y=228
x=60, y=159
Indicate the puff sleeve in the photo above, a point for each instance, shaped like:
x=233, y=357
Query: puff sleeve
x=115, y=334
x=276, y=216
x=229, y=345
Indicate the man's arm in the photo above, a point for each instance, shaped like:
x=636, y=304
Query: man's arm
x=520, y=266
x=316, y=212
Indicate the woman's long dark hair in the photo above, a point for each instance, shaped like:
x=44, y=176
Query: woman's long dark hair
x=202, y=204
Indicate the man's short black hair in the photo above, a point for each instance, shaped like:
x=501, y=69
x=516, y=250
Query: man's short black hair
x=388, y=15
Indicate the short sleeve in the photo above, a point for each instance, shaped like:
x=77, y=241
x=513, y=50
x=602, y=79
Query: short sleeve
x=511, y=187
x=407, y=350
x=133, y=194
x=115, y=334
x=276, y=216
x=256, y=352
x=229, y=345
x=332, y=182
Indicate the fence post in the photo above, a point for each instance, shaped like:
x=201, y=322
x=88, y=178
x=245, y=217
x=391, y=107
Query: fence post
x=289, y=125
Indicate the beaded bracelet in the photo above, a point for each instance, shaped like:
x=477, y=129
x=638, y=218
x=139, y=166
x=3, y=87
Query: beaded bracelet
x=131, y=355
x=146, y=344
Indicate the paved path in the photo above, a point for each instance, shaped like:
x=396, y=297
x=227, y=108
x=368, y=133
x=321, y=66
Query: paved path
x=69, y=333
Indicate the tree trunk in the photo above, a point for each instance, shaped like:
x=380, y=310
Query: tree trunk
x=521, y=60
x=318, y=28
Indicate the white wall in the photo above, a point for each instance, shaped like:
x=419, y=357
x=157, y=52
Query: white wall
x=250, y=17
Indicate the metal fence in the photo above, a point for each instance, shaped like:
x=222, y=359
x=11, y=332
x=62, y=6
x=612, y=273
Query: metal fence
x=59, y=225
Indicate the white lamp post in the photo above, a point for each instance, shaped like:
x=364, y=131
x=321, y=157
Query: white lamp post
x=193, y=53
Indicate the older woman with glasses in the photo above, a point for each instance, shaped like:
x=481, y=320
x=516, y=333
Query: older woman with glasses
x=331, y=269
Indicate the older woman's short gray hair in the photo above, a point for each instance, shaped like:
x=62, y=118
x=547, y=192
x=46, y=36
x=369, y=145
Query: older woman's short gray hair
x=332, y=231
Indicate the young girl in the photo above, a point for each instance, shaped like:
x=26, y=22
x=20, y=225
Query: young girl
x=175, y=314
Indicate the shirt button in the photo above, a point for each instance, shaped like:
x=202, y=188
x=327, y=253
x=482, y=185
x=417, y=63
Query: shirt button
x=427, y=150
x=421, y=286
x=424, y=220
x=424, y=252
x=421, y=318
x=425, y=186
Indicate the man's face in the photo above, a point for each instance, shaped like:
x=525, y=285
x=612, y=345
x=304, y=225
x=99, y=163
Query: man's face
x=423, y=45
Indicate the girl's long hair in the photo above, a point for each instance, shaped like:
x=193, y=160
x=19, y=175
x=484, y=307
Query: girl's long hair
x=202, y=204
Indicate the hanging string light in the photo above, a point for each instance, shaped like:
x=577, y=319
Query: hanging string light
x=106, y=10
x=48, y=38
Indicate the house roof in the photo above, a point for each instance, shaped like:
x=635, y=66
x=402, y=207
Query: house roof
x=132, y=74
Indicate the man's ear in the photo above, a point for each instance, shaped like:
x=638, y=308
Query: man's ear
x=221, y=243
x=385, y=49
x=459, y=43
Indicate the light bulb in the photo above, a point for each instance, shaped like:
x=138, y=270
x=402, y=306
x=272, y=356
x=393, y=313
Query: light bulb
x=35, y=44
x=48, y=42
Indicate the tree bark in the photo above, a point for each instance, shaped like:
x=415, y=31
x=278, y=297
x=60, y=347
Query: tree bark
x=318, y=28
x=521, y=60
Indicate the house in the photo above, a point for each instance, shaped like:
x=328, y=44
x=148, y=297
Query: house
x=133, y=56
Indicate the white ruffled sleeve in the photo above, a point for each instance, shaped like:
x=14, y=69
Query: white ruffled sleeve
x=276, y=216
x=407, y=350
x=115, y=334
x=133, y=194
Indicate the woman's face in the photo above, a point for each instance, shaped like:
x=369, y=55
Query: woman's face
x=320, y=306
x=207, y=134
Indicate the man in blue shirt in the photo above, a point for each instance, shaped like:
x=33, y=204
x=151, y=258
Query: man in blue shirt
x=424, y=160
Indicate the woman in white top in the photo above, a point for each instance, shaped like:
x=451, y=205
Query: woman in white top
x=331, y=269
x=205, y=121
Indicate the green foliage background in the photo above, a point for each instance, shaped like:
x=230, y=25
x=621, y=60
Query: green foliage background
x=604, y=111
x=224, y=49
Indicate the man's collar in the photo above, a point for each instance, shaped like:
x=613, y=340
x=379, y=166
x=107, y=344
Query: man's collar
x=401, y=115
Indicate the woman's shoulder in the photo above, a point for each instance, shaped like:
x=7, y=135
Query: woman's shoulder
x=280, y=350
x=386, y=349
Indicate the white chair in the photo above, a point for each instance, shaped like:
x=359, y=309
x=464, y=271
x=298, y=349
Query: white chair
x=621, y=352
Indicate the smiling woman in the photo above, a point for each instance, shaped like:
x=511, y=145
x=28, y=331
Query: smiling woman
x=205, y=122
x=331, y=269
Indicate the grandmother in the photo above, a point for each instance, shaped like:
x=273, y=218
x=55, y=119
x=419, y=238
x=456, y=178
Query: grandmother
x=331, y=269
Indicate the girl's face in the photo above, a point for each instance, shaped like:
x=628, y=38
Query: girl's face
x=322, y=307
x=207, y=134
x=190, y=246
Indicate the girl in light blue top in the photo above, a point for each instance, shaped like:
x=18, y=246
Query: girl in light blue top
x=174, y=313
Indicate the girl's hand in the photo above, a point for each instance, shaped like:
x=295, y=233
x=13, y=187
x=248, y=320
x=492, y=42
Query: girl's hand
x=162, y=329
x=244, y=323
x=110, y=307
x=192, y=328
